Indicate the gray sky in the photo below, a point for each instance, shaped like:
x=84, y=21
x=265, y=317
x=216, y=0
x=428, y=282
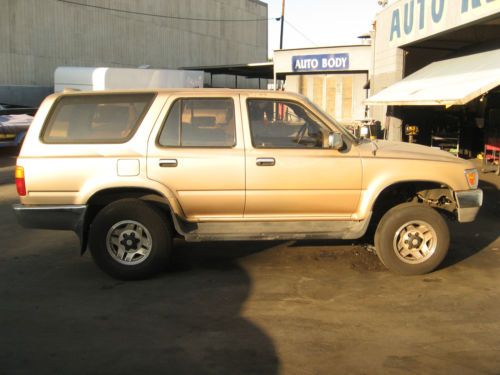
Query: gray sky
x=323, y=22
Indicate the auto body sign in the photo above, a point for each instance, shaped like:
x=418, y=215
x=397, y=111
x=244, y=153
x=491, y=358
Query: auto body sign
x=314, y=63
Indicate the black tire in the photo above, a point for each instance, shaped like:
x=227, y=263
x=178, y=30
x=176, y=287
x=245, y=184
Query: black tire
x=414, y=228
x=152, y=235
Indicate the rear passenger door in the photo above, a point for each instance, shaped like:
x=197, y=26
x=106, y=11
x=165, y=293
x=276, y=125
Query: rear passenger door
x=197, y=151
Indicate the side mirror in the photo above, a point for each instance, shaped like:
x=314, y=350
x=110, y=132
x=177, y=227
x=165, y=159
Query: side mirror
x=335, y=141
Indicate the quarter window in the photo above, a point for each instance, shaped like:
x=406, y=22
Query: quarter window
x=199, y=123
x=284, y=124
x=96, y=118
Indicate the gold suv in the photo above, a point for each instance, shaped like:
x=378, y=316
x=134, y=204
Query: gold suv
x=128, y=171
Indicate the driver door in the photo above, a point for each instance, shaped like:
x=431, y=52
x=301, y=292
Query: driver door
x=290, y=170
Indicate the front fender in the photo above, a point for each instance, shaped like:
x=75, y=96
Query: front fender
x=381, y=173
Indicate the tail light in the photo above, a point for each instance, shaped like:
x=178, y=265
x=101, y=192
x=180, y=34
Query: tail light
x=20, y=183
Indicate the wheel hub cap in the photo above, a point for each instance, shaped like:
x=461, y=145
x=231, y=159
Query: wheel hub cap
x=415, y=242
x=129, y=242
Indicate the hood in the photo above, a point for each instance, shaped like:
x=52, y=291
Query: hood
x=403, y=150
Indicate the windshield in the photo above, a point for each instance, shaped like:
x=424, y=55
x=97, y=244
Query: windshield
x=334, y=122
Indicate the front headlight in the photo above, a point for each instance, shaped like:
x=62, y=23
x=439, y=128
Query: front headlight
x=472, y=178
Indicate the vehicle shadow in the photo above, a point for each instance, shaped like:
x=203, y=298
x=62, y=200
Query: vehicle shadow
x=68, y=317
x=476, y=236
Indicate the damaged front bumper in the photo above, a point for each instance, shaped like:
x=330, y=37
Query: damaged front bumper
x=468, y=204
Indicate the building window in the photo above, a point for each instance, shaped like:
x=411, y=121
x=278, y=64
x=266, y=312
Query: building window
x=339, y=95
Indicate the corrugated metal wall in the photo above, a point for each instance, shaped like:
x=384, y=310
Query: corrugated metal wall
x=36, y=36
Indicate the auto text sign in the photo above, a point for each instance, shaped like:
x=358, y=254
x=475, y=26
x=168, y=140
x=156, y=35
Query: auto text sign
x=411, y=20
x=314, y=63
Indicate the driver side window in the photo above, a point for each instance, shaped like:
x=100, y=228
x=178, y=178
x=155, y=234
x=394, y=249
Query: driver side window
x=284, y=124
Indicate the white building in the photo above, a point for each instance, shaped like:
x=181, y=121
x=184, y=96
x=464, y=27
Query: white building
x=334, y=78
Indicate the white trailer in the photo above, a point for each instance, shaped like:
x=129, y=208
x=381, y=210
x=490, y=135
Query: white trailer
x=103, y=78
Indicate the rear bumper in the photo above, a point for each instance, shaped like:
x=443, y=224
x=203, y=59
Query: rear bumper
x=67, y=217
x=468, y=204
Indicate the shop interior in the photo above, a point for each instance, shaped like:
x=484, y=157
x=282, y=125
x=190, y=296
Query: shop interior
x=465, y=130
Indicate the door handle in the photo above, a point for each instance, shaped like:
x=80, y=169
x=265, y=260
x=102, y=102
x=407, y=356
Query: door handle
x=168, y=163
x=265, y=162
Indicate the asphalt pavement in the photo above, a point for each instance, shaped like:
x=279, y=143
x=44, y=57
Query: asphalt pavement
x=319, y=307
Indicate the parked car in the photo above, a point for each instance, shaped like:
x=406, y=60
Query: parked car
x=13, y=129
x=128, y=171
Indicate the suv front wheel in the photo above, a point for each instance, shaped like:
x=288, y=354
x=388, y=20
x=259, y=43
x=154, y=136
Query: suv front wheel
x=412, y=239
x=130, y=239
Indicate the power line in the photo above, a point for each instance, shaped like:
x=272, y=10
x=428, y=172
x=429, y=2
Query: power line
x=164, y=16
x=301, y=33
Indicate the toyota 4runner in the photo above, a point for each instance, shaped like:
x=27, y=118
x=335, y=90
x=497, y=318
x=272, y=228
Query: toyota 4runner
x=128, y=171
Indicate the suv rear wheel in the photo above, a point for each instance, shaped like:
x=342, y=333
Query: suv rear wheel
x=412, y=239
x=130, y=239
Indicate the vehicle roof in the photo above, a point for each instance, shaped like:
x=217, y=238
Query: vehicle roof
x=224, y=91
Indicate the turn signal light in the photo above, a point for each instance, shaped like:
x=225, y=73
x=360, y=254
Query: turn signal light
x=20, y=183
x=472, y=178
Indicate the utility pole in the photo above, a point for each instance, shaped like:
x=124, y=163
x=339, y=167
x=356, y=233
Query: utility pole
x=282, y=23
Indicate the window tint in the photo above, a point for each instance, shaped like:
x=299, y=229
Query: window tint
x=199, y=123
x=96, y=118
x=282, y=124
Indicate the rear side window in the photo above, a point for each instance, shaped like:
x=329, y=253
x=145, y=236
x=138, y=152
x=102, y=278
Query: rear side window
x=199, y=123
x=96, y=118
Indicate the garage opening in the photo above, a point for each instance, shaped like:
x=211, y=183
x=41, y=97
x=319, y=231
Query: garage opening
x=450, y=96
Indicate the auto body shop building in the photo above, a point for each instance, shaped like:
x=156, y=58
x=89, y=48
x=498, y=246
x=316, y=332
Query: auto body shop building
x=37, y=36
x=436, y=65
x=334, y=78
